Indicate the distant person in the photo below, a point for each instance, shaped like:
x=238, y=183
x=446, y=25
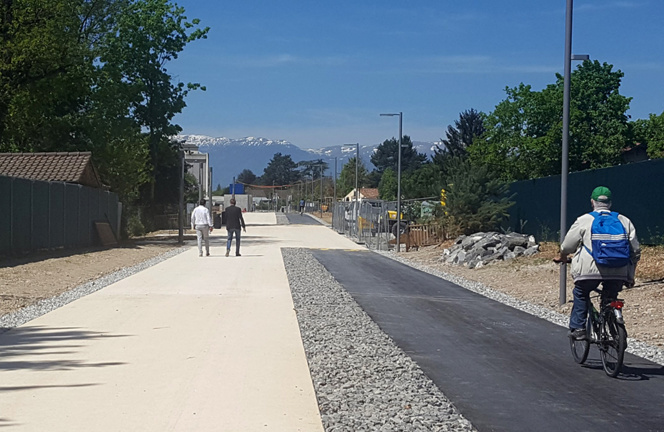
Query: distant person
x=301, y=206
x=202, y=223
x=234, y=221
x=606, y=251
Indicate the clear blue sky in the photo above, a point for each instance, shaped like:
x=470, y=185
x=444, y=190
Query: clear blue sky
x=319, y=73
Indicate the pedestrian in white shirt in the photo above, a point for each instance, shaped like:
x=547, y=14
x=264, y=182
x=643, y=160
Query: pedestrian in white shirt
x=202, y=223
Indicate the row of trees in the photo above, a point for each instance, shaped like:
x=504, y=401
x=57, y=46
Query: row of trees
x=482, y=153
x=90, y=75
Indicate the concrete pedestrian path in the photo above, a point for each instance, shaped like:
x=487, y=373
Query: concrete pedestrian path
x=190, y=344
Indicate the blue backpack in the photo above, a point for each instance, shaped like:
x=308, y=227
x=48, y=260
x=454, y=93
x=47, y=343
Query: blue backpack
x=610, y=244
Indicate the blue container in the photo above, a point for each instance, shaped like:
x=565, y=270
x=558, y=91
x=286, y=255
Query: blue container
x=239, y=188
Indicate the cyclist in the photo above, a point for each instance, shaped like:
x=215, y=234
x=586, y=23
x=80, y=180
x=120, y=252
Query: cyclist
x=586, y=272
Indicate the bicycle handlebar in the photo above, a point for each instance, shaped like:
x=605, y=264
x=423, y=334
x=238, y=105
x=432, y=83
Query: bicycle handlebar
x=567, y=260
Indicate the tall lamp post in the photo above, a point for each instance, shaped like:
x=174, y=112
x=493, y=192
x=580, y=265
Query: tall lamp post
x=357, y=165
x=564, y=169
x=321, y=167
x=181, y=200
x=357, y=168
x=334, y=200
x=400, y=114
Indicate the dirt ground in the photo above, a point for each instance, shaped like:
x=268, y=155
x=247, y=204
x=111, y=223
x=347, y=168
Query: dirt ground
x=24, y=281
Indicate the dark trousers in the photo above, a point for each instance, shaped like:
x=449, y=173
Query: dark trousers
x=582, y=290
x=231, y=232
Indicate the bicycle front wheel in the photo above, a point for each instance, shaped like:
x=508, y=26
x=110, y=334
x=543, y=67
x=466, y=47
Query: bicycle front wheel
x=581, y=347
x=612, y=346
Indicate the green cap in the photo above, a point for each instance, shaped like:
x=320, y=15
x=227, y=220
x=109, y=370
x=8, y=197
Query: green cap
x=601, y=194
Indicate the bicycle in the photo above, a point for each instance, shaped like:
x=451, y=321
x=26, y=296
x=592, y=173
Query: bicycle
x=606, y=329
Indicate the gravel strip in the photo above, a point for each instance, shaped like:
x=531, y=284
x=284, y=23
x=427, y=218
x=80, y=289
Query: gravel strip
x=363, y=381
x=634, y=346
x=45, y=306
x=282, y=219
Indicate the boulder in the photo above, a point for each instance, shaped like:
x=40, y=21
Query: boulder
x=480, y=249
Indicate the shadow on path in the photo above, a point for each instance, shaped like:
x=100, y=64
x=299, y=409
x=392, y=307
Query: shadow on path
x=45, y=349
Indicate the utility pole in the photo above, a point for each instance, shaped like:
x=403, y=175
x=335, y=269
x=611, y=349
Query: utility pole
x=334, y=200
x=181, y=204
x=357, y=168
x=321, y=166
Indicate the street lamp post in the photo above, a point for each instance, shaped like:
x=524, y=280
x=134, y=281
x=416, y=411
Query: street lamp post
x=181, y=200
x=321, y=167
x=357, y=168
x=564, y=169
x=334, y=200
x=400, y=114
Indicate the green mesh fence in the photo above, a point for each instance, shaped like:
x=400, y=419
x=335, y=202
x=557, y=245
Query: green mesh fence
x=637, y=190
x=38, y=215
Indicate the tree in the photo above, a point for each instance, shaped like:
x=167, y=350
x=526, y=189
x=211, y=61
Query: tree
x=476, y=197
x=522, y=138
x=312, y=169
x=246, y=177
x=650, y=132
x=524, y=133
x=387, y=188
x=190, y=188
x=45, y=73
x=422, y=183
x=346, y=182
x=386, y=155
x=150, y=33
x=469, y=126
x=79, y=75
x=281, y=170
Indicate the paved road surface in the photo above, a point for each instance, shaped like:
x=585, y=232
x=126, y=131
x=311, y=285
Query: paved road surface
x=298, y=219
x=504, y=369
x=190, y=344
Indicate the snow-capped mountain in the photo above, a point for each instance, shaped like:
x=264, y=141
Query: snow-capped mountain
x=228, y=156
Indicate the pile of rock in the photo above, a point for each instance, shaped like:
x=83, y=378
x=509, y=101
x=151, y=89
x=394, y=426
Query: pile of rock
x=479, y=249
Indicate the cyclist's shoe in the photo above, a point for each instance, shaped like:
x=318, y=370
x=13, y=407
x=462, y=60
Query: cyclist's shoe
x=577, y=334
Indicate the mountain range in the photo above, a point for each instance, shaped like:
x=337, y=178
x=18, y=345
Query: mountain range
x=229, y=156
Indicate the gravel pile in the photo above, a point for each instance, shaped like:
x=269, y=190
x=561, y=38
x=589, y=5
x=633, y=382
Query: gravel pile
x=634, y=346
x=45, y=306
x=363, y=381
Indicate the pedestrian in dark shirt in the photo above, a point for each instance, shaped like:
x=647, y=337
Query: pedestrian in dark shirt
x=234, y=221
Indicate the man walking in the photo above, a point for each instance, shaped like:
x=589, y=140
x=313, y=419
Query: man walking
x=234, y=221
x=202, y=223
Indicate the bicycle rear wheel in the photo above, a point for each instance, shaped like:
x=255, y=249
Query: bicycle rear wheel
x=581, y=347
x=612, y=346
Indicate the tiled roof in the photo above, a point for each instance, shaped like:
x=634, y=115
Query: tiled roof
x=74, y=167
x=370, y=193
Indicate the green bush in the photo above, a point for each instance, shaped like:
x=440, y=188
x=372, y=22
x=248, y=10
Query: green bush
x=135, y=227
x=476, y=197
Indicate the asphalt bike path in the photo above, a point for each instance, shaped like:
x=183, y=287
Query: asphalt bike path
x=189, y=344
x=304, y=219
x=505, y=370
